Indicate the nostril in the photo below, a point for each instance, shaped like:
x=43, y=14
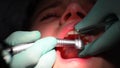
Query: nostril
x=80, y=14
x=67, y=16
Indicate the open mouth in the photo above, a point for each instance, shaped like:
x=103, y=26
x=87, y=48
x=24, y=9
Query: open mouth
x=72, y=51
x=68, y=52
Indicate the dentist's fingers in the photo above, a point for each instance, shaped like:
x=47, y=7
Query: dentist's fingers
x=47, y=60
x=32, y=55
x=20, y=37
x=104, y=42
x=101, y=9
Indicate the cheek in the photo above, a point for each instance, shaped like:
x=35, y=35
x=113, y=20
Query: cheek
x=47, y=29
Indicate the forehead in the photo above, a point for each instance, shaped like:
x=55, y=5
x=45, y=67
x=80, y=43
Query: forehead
x=46, y=3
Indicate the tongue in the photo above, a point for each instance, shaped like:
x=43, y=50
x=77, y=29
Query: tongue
x=70, y=52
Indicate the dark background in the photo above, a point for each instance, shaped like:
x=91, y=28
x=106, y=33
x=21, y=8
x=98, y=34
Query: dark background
x=13, y=15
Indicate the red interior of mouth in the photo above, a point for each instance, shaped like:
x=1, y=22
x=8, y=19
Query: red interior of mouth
x=71, y=52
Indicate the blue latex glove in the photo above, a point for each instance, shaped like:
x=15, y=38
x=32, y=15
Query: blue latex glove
x=40, y=55
x=111, y=36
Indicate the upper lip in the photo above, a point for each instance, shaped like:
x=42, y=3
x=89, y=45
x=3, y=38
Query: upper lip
x=69, y=26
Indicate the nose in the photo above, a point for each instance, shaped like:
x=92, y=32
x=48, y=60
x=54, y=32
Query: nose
x=72, y=12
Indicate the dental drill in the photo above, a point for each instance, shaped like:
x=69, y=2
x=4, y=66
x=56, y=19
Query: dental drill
x=7, y=53
x=60, y=42
x=77, y=43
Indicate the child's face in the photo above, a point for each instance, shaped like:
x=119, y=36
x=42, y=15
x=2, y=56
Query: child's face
x=57, y=18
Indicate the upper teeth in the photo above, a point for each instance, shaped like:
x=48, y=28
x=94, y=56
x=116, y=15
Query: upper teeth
x=72, y=32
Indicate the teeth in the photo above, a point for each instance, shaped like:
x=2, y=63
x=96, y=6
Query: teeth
x=72, y=32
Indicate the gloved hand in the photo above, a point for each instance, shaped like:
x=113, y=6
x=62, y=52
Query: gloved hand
x=111, y=36
x=40, y=55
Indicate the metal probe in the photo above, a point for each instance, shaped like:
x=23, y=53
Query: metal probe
x=61, y=42
x=77, y=42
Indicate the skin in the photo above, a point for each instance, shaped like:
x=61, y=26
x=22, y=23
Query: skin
x=57, y=18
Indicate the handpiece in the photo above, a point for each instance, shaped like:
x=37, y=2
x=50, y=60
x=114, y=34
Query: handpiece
x=61, y=42
x=77, y=43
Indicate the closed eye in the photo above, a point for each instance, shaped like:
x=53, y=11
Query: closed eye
x=49, y=16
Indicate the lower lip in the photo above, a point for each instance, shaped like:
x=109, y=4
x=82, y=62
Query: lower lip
x=71, y=62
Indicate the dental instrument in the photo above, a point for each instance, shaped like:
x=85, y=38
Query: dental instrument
x=61, y=42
